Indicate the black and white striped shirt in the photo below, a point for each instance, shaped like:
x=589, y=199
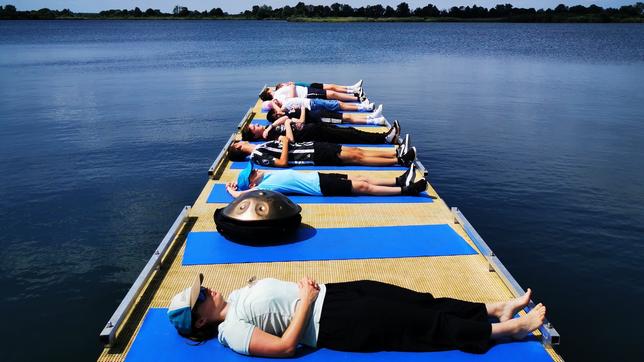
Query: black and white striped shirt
x=266, y=154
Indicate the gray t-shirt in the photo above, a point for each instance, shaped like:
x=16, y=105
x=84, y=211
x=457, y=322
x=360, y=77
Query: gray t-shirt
x=268, y=304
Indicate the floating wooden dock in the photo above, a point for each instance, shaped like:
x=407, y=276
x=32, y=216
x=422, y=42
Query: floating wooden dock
x=476, y=277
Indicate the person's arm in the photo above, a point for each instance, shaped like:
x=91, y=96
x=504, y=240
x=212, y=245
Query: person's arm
x=289, y=131
x=268, y=345
x=267, y=131
x=280, y=121
x=293, y=91
x=283, y=160
x=231, y=187
x=302, y=115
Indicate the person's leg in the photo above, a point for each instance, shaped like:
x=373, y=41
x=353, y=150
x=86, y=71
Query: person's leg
x=362, y=119
x=381, y=152
x=519, y=328
x=365, y=188
x=373, y=180
x=508, y=309
x=354, y=118
x=330, y=133
x=341, y=96
x=359, y=156
x=328, y=116
x=337, y=88
x=390, y=318
x=350, y=106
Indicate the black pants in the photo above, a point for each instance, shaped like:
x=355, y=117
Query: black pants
x=323, y=132
x=373, y=316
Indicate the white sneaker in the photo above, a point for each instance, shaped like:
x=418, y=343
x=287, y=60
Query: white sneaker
x=367, y=106
x=379, y=121
x=358, y=85
x=378, y=112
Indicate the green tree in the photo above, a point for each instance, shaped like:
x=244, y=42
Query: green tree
x=402, y=10
x=216, y=12
x=375, y=11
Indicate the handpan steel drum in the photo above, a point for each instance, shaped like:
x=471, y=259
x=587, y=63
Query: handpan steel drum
x=259, y=217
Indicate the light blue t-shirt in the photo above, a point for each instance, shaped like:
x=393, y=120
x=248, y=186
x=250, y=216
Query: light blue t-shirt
x=268, y=304
x=291, y=182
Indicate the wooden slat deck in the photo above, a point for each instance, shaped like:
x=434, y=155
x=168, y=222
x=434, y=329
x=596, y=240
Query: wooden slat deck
x=464, y=277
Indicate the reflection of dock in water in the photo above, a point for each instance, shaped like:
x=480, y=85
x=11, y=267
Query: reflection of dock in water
x=445, y=256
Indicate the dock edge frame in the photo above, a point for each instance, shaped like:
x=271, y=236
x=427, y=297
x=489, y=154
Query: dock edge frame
x=550, y=334
x=108, y=334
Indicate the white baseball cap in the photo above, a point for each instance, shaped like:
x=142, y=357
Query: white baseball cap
x=180, y=309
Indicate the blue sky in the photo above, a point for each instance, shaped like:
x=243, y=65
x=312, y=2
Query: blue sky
x=235, y=6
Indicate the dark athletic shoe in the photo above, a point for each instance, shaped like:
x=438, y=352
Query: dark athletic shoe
x=406, y=159
x=362, y=95
x=393, y=134
x=415, y=188
x=407, y=178
x=405, y=144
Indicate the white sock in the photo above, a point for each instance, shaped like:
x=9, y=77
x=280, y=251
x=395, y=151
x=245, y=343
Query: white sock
x=378, y=121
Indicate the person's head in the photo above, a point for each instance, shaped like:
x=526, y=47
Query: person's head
x=253, y=132
x=280, y=85
x=196, y=311
x=274, y=114
x=249, y=177
x=238, y=150
x=266, y=95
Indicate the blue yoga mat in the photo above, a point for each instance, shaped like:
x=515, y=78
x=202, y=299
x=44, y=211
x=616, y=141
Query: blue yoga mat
x=263, y=122
x=330, y=244
x=158, y=341
x=241, y=165
x=219, y=195
x=379, y=145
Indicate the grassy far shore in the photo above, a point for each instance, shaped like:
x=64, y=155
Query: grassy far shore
x=342, y=13
x=577, y=19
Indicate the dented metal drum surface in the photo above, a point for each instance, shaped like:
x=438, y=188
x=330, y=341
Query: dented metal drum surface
x=259, y=217
x=261, y=205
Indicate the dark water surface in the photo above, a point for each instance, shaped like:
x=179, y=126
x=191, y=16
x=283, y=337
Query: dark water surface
x=108, y=128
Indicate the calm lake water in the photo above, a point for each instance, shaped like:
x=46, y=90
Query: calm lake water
x=108, y=128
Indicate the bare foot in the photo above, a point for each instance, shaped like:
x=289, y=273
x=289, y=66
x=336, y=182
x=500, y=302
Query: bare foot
x=530, y=322
x=511, y=307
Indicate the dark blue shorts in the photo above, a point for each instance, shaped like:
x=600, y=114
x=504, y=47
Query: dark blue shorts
x=325, y=104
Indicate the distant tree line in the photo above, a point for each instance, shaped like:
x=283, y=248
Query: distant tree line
x=10, y=12
x=500, y=12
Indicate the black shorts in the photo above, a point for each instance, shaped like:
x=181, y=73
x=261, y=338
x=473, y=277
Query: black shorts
x=316, y=85
x=315, y=93
x=335, y=184
x=326, y=154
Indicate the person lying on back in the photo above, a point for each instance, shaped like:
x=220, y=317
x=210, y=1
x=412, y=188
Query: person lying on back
x=315, y=105
x=270, y=318
x=291, y=182
x=281, y=153
x=287, y=90
x=324, y=132
x=325, y=116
